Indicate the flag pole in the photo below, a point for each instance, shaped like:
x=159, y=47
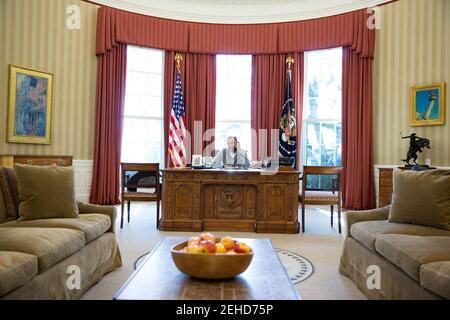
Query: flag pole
x=290, y=61
x=178, y=59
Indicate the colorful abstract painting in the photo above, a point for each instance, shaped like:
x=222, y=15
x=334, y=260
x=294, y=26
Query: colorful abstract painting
x=30, y=106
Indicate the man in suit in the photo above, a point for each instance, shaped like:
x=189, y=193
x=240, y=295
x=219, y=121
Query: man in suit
x=233, y=156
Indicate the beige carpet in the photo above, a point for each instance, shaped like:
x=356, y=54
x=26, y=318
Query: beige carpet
x=321, y=245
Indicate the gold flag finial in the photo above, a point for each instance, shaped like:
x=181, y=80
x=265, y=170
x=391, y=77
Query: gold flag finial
x=289, y=62
x=178, y=59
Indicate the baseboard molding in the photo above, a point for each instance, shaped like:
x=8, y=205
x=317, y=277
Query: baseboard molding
x=83, y=179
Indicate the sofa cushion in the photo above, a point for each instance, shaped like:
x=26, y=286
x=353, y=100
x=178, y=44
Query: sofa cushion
x=366, y=232
x=92, y=225
x=10, y=195
x=46, y=192
x=421, y=198
x=435, y=277
x=49, y=245
x=16, y=269
x=410, y=252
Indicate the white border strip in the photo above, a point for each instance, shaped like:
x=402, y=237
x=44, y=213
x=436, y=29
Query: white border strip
x=254, y=12
x=83, y=179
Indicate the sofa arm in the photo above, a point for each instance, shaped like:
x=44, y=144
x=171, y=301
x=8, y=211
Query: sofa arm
x=94, y=208
x=352, y=217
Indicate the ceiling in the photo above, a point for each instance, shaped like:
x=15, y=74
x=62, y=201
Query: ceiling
x=240, y=11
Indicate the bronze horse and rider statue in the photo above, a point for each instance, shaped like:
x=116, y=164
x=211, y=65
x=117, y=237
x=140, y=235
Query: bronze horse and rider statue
x=416, y=144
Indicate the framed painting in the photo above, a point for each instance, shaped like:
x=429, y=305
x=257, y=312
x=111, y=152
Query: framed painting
x=427, y=105
x=30, y=106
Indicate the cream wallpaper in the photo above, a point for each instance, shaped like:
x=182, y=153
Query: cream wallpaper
x=33, y=34
x=412, y=48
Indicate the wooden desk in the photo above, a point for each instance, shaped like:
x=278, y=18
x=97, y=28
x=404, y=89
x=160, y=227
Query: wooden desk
x=229, y=200
x=157, y=278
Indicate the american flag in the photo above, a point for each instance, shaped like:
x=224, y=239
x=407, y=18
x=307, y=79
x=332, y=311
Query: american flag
x=177, y=129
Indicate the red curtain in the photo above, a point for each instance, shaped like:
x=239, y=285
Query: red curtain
x=357, y=148
x=198, y=72
x=268, y=86
x=117, y=26
x=111, y=72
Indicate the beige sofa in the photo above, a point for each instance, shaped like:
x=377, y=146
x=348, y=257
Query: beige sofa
x=414, y=260
x=39, y=258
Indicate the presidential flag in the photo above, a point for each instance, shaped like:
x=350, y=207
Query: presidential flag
x=177, y=129
x=288, y=124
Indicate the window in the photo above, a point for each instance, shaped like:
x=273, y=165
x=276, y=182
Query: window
x=142, y=138
x=233, y=96
x=322, y=129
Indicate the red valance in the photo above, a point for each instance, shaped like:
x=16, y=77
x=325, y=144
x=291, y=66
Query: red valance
x=349, y=29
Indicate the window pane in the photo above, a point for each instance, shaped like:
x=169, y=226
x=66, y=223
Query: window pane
x=139, y=140
x=142, y=138
x=328, y=134
x=322, y=182
x=233, y=104
x=338, y=133
x=322, y=131
x=138, y=105
x=141, y=152
x=322, y=143
x=323, y=79
x=313, y=133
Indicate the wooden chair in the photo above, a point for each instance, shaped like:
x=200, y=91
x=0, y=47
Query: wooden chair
x=140, y=175
x=329, y=194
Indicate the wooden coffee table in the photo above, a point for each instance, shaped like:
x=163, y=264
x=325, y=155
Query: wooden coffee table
x=157, y=278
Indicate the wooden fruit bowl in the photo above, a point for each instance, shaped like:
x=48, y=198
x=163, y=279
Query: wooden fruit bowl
x=210, y=266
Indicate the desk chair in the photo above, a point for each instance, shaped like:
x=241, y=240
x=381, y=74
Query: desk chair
x=327, y=190
x=137, y=176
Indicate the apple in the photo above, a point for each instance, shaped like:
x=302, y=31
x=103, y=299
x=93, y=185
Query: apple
x=227, y=242
x=220, y=248
x=193, y=240
x=195, y=249
x=241, y=247
x=208, y=236
x=208, y=245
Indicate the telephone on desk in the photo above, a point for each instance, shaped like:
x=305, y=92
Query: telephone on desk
x=200, y=162
x=282, y=162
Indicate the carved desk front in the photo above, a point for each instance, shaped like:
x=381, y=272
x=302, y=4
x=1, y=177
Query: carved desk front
x=229, y=200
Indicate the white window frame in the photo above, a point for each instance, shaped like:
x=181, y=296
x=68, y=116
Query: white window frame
x=310, y=120
x=161, y=118
x=237, y=121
